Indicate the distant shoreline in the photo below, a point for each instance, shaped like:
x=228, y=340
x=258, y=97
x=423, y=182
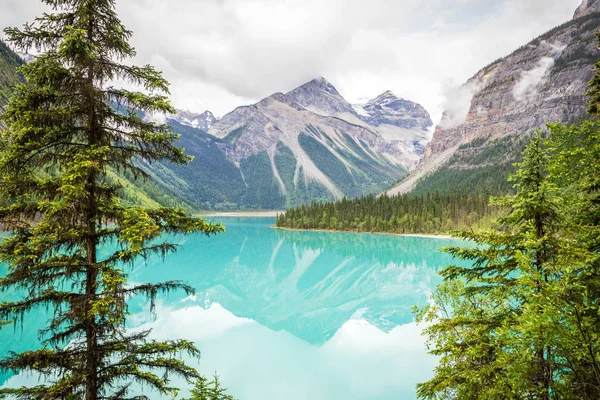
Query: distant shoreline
x=260, y=214
x=422, y=235
x=273, y=214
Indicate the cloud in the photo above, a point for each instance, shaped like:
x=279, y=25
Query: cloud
x=244, y=352
x=527, y=87
x=219, y=54
x=457, y=104
x=156, y=118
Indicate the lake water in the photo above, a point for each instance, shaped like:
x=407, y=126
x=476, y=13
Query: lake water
x=292, y=315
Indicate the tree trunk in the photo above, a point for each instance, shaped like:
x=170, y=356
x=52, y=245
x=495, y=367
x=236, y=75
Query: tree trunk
x=91, y=287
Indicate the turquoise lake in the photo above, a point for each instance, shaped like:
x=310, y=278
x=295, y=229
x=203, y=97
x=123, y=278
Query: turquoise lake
x=291, y=314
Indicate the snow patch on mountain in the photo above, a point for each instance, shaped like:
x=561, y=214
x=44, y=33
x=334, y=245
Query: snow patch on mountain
x=387, y=133
x=202, y=121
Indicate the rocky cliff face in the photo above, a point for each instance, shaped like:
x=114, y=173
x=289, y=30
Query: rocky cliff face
x=587, y=7
x=321, y=97
x=543, y=81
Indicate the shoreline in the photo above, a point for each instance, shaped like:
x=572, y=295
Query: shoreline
x=257, y=214
x=421, y=235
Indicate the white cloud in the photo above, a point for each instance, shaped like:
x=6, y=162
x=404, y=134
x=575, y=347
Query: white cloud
x=457, y=104
x=530, y=80
x=244, y=352
x=527, y=87
x=220, y=54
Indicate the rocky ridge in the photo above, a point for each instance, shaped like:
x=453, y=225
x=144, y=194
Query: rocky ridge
x=388, y=109
x=586, y=8
x=544, y=81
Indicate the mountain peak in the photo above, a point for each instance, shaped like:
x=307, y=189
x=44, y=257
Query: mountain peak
x=323, y=84
x=389, y=109
x=587, y=7
x=199, y=121
x=321, y=97
x=384, y=98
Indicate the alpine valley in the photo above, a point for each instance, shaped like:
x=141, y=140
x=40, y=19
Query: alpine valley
x=289, y=149
x=310, y=144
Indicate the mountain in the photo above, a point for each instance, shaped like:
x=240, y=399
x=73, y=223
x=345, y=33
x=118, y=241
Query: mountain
x=321, y=97
x=387, y=109
x=288, y=149
x=541, y=82
x=587, y=7
x=202, y=121
x=311, y=144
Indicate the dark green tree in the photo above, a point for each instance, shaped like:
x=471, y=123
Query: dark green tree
x=575, y=168
x=68, y=128
x=524, y=320
x=209, y=390
x=492, y=322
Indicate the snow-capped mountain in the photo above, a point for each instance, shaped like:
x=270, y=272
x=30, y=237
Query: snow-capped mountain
x=300, y=149
x=388, y=109
x=311, y=144
x=321, y=97
x=202, y=121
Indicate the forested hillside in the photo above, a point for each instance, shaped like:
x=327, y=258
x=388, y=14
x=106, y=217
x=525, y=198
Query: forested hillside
x=431, y=213
x=153, y=192
x=9, y=62
x=478, y=166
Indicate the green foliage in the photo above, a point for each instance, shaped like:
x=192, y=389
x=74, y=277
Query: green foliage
x=298, y=191
x=209, y=390
x=594, y=92
x=263, y=188
x=327, y=162
x=491, y=179
x=478, y=167
x=62, y=203
x=9, y=62
x=454, y=197
x=524, y=320
x=235, y=134
x=473, y=144
x=211, y=181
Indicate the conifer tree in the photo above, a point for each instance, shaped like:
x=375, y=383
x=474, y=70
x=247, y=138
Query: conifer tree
x=209, y=390
x=490, y=321
x=575, y=168
x=67, y=128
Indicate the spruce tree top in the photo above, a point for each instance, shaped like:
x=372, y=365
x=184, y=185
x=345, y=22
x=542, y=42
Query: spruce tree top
x=69, y=129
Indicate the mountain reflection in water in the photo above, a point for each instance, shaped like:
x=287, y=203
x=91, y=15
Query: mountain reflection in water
x=346, y=298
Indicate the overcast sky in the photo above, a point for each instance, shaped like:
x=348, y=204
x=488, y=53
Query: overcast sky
x=220, y=54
